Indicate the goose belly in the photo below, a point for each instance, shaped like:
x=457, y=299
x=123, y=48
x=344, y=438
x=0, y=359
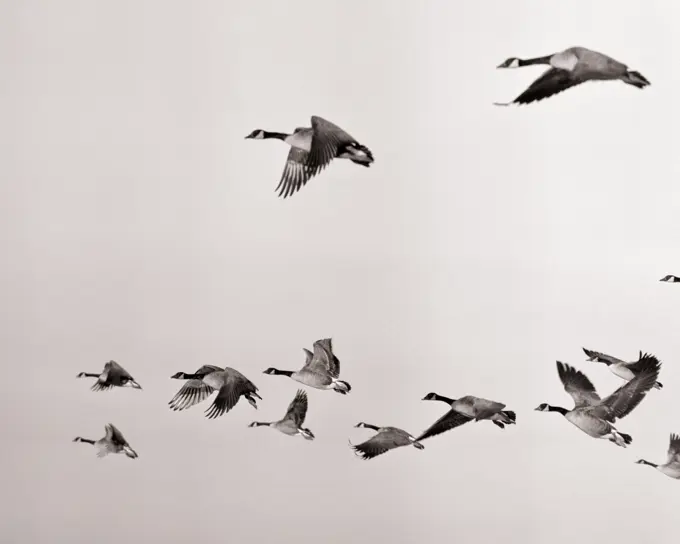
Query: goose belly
x=672, y=472
x=301, y=140
x=464, y=408
x=622, y=371
x=590, y=425
x=312, y=379
x=286, y=428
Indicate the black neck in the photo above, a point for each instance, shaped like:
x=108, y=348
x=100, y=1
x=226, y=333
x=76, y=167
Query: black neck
x=444, y=399
x=537, y=60
x=642, y=461
x=274, y=135
x=192, y=376
x=89, y=375
x=261, y=423
x=86, y=440
x=369, y=426
x=558, y=409
x=288, y=373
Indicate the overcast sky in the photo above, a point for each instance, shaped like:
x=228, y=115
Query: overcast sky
x=483, y=244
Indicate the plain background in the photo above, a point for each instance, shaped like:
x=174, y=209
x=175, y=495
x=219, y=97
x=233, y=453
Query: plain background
x=483, y=244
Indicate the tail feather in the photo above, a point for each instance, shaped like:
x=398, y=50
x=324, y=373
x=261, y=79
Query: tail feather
x=342, y=386
x=627, y=439
x=510, y=414
x=498, y=424
x=418, y=445
x=658, y=385
x=636, y=79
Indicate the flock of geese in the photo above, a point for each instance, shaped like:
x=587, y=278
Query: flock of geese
x=311, y=151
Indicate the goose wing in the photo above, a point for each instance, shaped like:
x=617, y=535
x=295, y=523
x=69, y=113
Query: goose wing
x=639, y=365
x=383, y=441
x=577, y=384
x=450, y=420
x=297, y=410
x=191, y=393
x=484, y=408
x=112, y=368
x=296, y=173
x=674, y=449
x=327, y=141
x=551, y=82
x=602, y=357
x=235, y=385
x=114, y=435
x=332, y=363
x=320, y=362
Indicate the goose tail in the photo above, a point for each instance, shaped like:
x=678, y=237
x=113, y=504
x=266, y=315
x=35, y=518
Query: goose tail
x=636, y=79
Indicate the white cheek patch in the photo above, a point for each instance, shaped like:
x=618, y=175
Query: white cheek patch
x=564, y=61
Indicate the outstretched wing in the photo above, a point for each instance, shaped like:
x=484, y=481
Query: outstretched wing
x=114, y=435
x=383, y=441
x=450, y=420
x=639, y=365
x=331, y=361
x=227, y=397
x=327, y=140
x=191, y=393
x=577, y=384
x=296, y=173
x=551, y=82
x=297, y=409
x=320, y=362
x=674, y=449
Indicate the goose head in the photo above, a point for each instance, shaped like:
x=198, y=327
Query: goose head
x=512, y=62
x=430, y=396
x=271, y=370
x=178, y=376
x=257, y=134
x=543, y=407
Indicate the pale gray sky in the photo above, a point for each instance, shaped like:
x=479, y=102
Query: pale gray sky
x=483, y=244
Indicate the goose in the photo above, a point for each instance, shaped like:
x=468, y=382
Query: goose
x=670, y=278
x=229, y=383
x=467, y=409
x=291, y=424
x=619, y=368
x=671, y=467
x=311, y=150
x=501, y=419
x=388, y=438
x=321, y=369
x=113, y=375
x=569, y=68
x=112, y=442
x=595, y=416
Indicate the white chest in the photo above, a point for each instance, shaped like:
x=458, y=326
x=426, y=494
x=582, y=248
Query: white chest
x=301, y=140
x=621, y=371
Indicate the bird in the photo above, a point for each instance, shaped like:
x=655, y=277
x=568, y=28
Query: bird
x=466, y=409
x=671, y=467
x=569, y=68
x=501, y=419
x=619, y=368
x=595, y=416
x=387, y=438
x=321, y=369
x=670, y=278
x=112, y=442
x=229, y=383
x=291, y=423
x=312, y=149
x=113, y=375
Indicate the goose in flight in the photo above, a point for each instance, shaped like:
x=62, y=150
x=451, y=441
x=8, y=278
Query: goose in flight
x=321, y=369
x=670, y=278
x=569, y=68
x=229, y=383
x=292, y=422
x=595, y=416
x=112, y=442
x=467, y=409
x=387, y=438
x=619, y=368
x=113, y=375
x=671, y=467
x=311, y=150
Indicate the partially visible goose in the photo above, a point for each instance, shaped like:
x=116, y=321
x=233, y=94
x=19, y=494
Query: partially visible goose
x=112, y=442
x=670, y=278
x=321, y=369
x=388, y=438
x=229, y=383
x=595, y=416
x=113, y=375
x=466, y=409
x=569, y=68
x=291, y=423
x=620, y=368
x=312, y=149
x=671, y=467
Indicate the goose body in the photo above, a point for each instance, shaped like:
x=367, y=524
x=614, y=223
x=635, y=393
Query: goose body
x=671, y=467
x=113, y=375
x=569, y=68
x=112, y=442
x=229, y=383
x=624, y=370
x=670, y=278
x=321, y=369
x=291, y=423
x=596, y=416
x=311, y=150
x=386, y=439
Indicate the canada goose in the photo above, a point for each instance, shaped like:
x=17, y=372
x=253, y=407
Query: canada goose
x=291, y=424
x=321, y=369
x=569, y=68
x=619, y=368
x=671, y=467
x=670, y=278
x=595, y=416
x=312, y=149
x=229, y=383
x=112, y=442
x=501, y=419
x=387, y=439
x=113, y=375
x=466, y=409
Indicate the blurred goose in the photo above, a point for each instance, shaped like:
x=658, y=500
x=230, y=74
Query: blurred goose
x=595, y=416
x=619, y=368
x=670, y=278
x=291, y=424
x=229, y=383
x=569, y=68
x=388, y=438
x=321, y=369
x=113, y=375
x=671, y=467
x=112, y=442
x=467, y=409
x=312, y=149
x=501, y=419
